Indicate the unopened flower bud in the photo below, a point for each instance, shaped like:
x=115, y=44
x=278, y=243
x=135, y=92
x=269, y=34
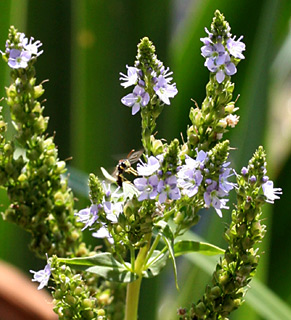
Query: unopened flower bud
x=253, y=179
x=38, y=91
x=244, y=171
x=222, y=123
x=157, y=146
x=229, y=108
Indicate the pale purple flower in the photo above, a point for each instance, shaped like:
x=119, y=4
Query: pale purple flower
x=42, y=276
x=215, y=55
x=207, y=40
x=224, y=185
x=32, y=47
x=164, y=90
x=212, y=198
x=189, y=179
x=235, y=47
x=108, y=193
x=112, y=210
x=166, y=73
x=131, y=78
x=198, y=162
x=270, y=192
x=103, y=233
x=244, y=171
x=88, y=216
x=168, y=189
x=147, y=187
x=253, y=179
x=18, y=59
x=201, y=156
x=137, y=99
x=228, y=68
x=147, y=169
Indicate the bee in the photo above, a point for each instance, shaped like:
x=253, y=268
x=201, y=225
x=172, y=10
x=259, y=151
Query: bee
x=124, y=166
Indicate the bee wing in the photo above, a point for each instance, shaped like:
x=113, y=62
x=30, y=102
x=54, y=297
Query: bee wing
x=135, y=156
x=107, y=175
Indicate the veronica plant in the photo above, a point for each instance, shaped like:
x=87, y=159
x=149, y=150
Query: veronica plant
x=173, y=182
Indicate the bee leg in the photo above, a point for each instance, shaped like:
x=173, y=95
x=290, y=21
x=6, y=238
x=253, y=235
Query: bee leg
x=132, y=171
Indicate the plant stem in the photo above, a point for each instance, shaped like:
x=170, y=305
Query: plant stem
x=133, y=288
x=154, y=245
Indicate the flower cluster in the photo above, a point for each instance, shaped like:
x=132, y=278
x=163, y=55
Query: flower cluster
x=154, y=183
x=102, y=214
x=173, y=181
x=147, y=84
x=191, y=176
x=267, y=186
x=220, y=53
x=236, y=268
x=21, y=53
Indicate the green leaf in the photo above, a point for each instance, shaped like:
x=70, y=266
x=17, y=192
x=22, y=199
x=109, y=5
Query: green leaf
x=172, y=256
x=188, y=246
x=155, y=264
x=104, y=265
x=165, y=229
x=168, y=237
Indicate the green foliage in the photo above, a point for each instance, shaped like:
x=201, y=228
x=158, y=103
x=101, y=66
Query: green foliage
x=188, y=246
x=100, y=20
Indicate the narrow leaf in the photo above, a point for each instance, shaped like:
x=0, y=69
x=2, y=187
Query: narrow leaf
x=188, y=246
x=104, y=265
x=172, y=256
x=165, y=229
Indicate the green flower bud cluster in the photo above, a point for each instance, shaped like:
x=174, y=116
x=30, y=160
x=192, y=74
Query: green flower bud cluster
x=41, y=201
x=171, y=159
x=96, y=193
x=13, y=41
x=251, y=181
x=220, y=28
x=71, y=296
x=217, y=156
x=240, y=261
x=216, y=114
x=136, y=222
x=146, y=59
x=9, y=166
x=153, y=83
x=211, y=121
x=147, y=62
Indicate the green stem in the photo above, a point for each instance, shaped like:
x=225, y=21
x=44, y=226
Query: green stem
x=146, y=132
x=154, y=245
x=133, y=288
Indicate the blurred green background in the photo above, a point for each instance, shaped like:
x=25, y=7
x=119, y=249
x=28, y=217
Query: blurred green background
x=88, y=42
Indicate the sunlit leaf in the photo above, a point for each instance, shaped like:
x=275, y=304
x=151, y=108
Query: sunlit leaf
x=188, y=246
x=168, y=237
x=102, y=264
